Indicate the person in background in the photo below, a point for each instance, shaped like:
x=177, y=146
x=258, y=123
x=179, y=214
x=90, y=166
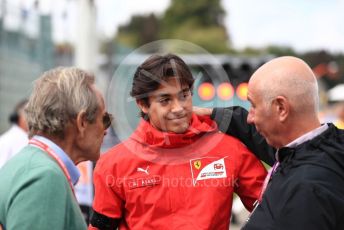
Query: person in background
x=84, y=188
x=305, y=187
x=176, y=171
x=339, y=123
x=16, y=137
x=67, y=122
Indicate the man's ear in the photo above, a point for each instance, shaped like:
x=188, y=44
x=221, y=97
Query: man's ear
x=142, y=105
x=81, y=123
x=282, y=107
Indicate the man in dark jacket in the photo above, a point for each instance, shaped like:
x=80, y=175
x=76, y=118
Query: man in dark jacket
x=306, y=185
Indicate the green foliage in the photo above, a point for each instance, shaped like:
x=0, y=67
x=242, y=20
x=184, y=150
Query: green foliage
x=211, y=38
x=251, y=51
x=140, y=30
x=203, y=13
x=199, y=22
x=280, y=51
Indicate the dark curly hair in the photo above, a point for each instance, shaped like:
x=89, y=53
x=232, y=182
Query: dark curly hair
x=154, y=70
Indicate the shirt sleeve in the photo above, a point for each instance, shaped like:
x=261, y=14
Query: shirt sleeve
x=39, y=201
x=108, y=200
x=233, y=121
x=251, y=176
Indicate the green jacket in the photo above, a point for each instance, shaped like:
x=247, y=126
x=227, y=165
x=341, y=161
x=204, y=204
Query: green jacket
x=35, y=194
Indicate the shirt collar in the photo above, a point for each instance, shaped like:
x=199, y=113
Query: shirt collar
x=72, y=169
x=145, y=133
x=308, y=136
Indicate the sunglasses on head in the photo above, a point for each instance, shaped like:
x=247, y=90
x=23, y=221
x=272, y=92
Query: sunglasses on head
x=107, y=119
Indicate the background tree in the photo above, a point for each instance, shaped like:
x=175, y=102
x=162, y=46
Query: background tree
x=199, y=22
x=140, y=30
x=280, y=50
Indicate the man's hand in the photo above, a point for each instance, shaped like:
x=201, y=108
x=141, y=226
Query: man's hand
x=202, y=111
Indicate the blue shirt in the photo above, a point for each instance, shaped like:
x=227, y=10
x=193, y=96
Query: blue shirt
x=71, y=167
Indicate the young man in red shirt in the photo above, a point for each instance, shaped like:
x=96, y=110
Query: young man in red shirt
x=176, y=171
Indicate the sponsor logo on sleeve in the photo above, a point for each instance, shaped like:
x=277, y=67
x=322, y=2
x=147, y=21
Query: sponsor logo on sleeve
x=144, y=182
x=207, y=168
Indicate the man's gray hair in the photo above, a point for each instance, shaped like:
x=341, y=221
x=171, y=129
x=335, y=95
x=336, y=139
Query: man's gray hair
x=57, y=98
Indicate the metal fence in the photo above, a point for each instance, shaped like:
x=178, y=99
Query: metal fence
x=22, y=60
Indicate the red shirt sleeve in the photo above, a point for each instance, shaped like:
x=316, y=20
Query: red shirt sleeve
x=108, y=200
x=251, y=177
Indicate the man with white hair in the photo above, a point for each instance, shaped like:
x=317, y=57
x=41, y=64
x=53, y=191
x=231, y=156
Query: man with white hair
x=67, y=122
x=305, y=187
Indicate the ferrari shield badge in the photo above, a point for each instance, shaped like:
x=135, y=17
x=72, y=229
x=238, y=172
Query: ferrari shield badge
x=197, y=164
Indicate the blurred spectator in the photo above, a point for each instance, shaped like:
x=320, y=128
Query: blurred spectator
x=340, y=116
x=16, y=137
x=84, y=187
